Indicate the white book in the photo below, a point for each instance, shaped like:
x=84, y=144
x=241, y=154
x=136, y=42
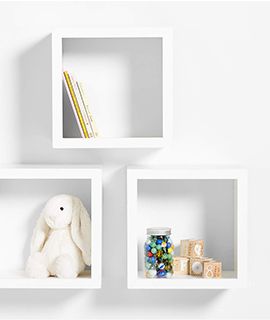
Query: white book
x=73, y=107
x=87, y=109
x=82, y=108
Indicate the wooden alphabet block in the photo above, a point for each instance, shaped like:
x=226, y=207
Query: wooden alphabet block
x=191, y=248
x=196, y=266
x=212, y=269
x=181, y=265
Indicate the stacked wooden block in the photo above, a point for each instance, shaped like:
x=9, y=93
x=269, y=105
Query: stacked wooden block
x=192, y=262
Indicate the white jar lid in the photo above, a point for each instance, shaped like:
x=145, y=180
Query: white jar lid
x=158, y=231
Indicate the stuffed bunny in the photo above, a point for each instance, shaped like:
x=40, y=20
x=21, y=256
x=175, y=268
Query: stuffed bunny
x=60, y=243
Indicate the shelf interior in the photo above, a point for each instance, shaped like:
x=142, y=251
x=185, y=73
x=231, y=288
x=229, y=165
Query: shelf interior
x=198, y=209
x=122, y=78
x=21, y=202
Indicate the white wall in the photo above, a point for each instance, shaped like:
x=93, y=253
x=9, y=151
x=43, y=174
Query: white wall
x=221, y=116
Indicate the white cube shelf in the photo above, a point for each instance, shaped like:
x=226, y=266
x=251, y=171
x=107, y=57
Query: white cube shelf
x=127, y=75
x=209, y=204
x=23, y=193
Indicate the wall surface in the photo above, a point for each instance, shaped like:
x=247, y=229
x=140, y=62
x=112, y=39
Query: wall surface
x=221, y=116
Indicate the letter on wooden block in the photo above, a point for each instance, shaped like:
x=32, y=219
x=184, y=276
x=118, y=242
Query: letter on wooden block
x=191, y=248
x=181, y=265
x=196, y=266
x=212, y=269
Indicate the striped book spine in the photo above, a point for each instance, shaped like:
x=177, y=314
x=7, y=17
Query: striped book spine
x=73, y=106
x=76, y=105
x=86, y=106
x=81, y=106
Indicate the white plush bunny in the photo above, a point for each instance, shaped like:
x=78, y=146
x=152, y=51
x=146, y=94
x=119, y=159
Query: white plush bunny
x=61, y=239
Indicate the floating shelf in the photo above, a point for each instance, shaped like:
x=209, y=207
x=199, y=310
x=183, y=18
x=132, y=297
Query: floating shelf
x=209, y=204
x=127, y=75
x=23, y=193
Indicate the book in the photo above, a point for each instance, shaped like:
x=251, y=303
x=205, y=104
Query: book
x=82, y=108
x=87, y=109
x=75, y=105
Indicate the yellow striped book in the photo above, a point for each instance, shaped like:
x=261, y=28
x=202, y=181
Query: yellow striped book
x=76, y=104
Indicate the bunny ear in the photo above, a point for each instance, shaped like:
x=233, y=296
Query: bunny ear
x=81, y=229
x=40, y=234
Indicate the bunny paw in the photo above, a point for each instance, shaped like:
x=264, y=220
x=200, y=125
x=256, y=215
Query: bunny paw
x=64, y=267
x=35, y=267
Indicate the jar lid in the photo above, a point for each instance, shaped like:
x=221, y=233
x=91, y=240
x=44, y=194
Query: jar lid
x=160, y=231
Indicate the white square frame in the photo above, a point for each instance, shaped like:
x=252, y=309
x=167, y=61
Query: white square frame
x=94, y=174
x=134, y=281
x=167, y=88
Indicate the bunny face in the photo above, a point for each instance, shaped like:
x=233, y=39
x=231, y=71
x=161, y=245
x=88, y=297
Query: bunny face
x=58, y=211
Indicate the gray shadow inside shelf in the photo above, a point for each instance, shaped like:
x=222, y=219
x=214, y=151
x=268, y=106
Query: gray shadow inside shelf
x=124, y=83
x=198, y=209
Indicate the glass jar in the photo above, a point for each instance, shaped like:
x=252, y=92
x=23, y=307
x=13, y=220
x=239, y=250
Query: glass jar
x=159, y=251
